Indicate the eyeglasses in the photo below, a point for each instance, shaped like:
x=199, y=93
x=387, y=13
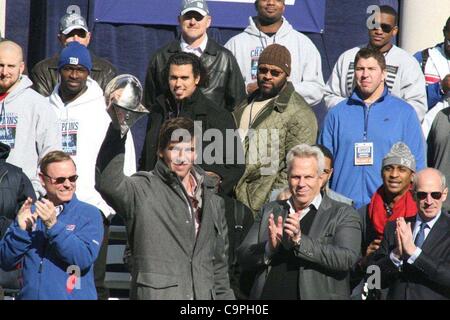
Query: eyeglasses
x=274, y=73
x=61, y=180
x=386, y=28
x=421, y=195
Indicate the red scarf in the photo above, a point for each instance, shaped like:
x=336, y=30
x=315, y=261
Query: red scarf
x=403, y=207
x=3, y=95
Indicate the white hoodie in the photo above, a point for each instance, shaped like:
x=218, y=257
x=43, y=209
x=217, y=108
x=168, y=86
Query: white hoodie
x=29, y=126
x=84, y=122
x=306, y=65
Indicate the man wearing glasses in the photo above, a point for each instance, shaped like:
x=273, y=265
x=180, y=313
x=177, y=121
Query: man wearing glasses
x=271, y=121
x=55, y=240
x=404, y=78
x=72, y=27
x=226, y=86
x=414, y=256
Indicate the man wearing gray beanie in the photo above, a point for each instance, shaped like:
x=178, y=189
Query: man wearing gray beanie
x=394, y=199
x=275, y=107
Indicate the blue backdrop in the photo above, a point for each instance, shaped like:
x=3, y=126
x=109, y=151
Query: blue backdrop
x=34, y=25
x=304, y=15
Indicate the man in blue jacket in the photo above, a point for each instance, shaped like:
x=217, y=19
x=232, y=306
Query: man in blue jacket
x=360, y=130
x=55, y=240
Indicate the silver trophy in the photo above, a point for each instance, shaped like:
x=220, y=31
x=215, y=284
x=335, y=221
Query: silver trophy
x=123, y=96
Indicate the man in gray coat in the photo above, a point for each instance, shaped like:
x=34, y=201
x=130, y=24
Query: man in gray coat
x=303, y=247
x=175, y=223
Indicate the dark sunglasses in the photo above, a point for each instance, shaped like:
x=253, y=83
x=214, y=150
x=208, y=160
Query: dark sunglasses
x=423, y=195
x=193, y=14
x=61, y=180
x=386, y=27
x=274, y=73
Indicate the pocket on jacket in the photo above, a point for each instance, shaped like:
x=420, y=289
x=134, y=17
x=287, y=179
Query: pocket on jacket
x=156, y=280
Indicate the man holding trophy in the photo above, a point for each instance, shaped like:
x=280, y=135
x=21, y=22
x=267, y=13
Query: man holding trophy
x=175, y=223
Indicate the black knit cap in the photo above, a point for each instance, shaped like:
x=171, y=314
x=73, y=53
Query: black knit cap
x=276, y=55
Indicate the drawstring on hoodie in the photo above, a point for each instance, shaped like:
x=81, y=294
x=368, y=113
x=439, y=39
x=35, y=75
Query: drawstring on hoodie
x=265, y=39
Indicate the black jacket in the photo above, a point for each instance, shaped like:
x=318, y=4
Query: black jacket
x=45, y=75
x=428, y=278
x=226, y=86
x=239, y=221
x=197, y=108
x=15, y=186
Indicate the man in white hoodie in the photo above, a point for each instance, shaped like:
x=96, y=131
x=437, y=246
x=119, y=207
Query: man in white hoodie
x=27, y=122
x=404, y=78
x=269, y=27
x=80, y=107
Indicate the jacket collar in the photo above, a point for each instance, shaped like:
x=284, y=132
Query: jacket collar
x=170, y=178
x=279, y=104
x=192, y=105
x=281, y=101
x=356, y=98
x=211, y=47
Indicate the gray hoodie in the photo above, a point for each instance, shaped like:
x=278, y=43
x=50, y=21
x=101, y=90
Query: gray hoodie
x=306, y=66
x=29, y=126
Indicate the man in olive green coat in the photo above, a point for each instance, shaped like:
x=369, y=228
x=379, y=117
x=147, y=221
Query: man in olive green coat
x=271, y=121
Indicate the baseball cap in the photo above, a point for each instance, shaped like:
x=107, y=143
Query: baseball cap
x=72, y=21
x=199, y=6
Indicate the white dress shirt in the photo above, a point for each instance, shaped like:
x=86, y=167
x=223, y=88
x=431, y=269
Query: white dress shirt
x=198, y=51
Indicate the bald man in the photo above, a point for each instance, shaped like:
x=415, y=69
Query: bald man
x=27, y=122
x=414, y=255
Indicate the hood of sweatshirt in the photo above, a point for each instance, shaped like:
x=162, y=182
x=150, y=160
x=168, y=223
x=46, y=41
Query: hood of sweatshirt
x=253, y=30
x=24, y=83
x=93, y=92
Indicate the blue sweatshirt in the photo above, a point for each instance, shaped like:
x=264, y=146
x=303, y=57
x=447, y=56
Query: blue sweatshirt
x=389, y=120
x=46, y=256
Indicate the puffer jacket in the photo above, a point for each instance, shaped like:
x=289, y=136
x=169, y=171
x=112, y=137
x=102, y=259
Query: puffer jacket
x=225, y=86
x=45, y=75
x=294, y=122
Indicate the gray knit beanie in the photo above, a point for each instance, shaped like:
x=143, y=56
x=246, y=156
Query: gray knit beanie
x=400, y=155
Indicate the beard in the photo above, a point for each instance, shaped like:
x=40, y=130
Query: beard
x=272, y=92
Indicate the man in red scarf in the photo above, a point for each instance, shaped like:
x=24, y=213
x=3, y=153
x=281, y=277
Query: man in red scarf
x=393, y=199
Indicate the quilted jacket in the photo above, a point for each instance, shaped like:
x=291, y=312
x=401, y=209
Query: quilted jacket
x=266, y=170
